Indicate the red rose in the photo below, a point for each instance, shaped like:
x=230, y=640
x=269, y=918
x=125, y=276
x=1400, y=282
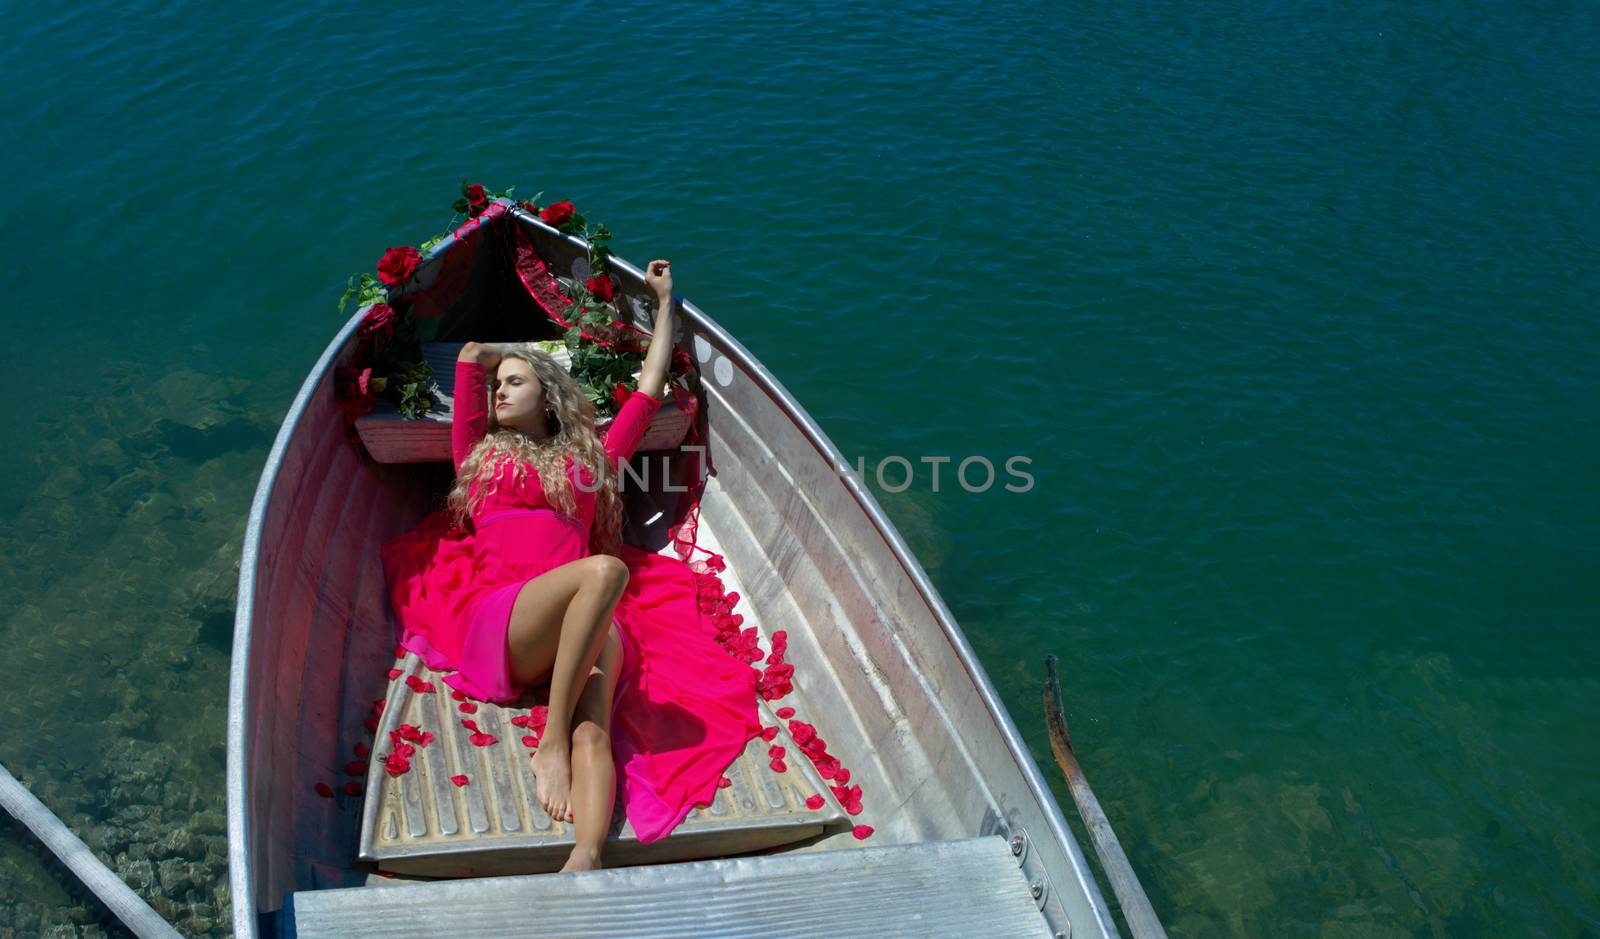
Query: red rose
x=475, y=195
x=378, y=325
x=353, y=388
x=398, y=264
x=556, y=213
x=602, y=288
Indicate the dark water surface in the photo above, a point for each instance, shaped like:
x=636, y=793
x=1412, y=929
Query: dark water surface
x=1291, y=306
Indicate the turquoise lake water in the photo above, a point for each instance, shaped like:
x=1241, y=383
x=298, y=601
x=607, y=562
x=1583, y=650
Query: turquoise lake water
x=1291, y=306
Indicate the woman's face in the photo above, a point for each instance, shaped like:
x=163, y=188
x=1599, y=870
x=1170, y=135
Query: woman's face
x=518, y=397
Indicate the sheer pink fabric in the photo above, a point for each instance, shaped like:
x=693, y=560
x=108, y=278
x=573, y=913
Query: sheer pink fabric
x=684, y=707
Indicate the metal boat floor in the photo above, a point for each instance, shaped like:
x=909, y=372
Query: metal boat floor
x=970, y=887
x=421, y=823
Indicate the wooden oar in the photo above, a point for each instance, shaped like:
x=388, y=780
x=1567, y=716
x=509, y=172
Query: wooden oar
x=1136, y=909
x=127, y=905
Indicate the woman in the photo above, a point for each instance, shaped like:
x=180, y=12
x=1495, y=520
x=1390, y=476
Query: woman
x=524, y=582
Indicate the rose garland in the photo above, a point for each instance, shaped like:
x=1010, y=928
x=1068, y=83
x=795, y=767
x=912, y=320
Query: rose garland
x=605, y=351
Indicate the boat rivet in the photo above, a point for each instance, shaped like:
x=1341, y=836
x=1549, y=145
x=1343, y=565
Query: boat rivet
x=1036, y=888
x=1017, y=841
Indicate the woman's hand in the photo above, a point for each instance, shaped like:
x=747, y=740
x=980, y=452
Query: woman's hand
x=482, y=353
x=658, y=276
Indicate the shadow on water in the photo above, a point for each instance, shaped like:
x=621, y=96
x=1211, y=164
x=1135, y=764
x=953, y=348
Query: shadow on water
x=199, y=444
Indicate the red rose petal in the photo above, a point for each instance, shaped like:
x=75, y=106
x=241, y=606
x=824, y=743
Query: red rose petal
x=769, y=734
x=405, y=750
x=775, y=752
x=399, y=651
x=842, y=776
x=482, y=740
x=467, y=707
x=410, y=732
x=325, y=790
x=457, y=696
x=418, y=685
x=389, y=874
x=377, y=707
x=825, y=770
x=854, y=808
x=394, y=673
x=815, y=802
x=427, y=738
x=723, y=782
x=371, y=724
x=460, y=779
x=470, y=724
x=530, y=741
x=355, y=768
x=353, y=788
x=785, y=713
x=779, y=766
x=862, y=832
x=521, y=720
x=362, y=750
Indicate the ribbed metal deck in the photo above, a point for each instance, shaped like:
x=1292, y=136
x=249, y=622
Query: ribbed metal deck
x=967, y=888
x=421, y=823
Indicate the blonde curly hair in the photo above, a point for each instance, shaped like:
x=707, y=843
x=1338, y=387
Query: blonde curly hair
x=571, y=432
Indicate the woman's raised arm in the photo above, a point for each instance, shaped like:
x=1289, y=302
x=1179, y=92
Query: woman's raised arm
x=469, y=419
x=653, y=376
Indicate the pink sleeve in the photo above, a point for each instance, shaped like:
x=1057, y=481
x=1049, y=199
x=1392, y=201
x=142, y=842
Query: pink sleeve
x=624, y=434
x=470, y=419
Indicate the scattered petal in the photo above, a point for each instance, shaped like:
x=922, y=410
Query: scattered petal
x=779, y=766
x=842, y=776
x=723, y=782
x=377, y=707
x=355, y=768
x=405, y=750
x=460, y=779
x=457, y=696
x=325, y=790
x=530, y=741
x=482, y=740
x=521, y=720
x=467, y=707
x=862, y=832
x=826, y=770
x=394, y=673
x=470, y=724
x=388, y=874
x=418, y=685
x=785, y=713
x=410, y=732
x=427, y=738
x=769, y=734
x=371, y=724
x=815, y=802
x=362, y=750
x=399, y=651
x=353, y=788
x=776, y=752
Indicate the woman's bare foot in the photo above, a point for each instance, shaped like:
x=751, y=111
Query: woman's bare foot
x=552, y=771
x=582, y=859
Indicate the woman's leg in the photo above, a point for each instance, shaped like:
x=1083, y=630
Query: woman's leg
x=558, y=625
x=594, y=772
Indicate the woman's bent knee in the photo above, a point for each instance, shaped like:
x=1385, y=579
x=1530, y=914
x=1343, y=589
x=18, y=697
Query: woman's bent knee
x=606, y=572
x=590, y=734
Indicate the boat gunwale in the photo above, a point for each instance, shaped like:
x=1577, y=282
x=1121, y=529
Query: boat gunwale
x=241, y=873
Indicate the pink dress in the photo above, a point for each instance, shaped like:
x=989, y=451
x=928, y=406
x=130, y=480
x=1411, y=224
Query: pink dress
x=684, y=707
